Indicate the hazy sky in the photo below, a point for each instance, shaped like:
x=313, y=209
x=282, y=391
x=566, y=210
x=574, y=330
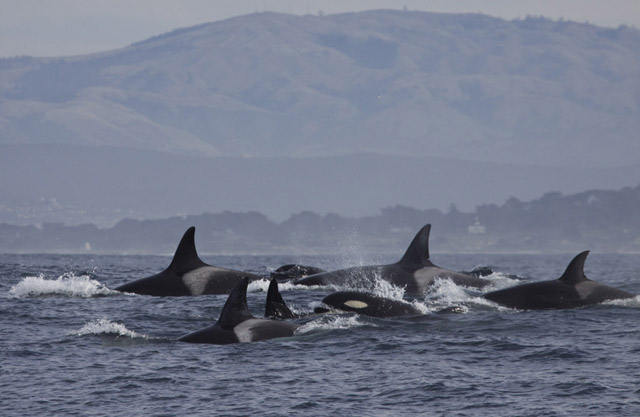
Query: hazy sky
x=68, y=27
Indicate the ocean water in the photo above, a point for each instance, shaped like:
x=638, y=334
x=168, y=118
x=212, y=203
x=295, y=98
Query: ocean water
x=71, y=346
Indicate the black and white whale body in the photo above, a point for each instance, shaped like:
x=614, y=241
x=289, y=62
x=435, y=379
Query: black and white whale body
x=414, y=271
x=187, y=275
x=369, y=304
x=573, y=289
x=237, y=325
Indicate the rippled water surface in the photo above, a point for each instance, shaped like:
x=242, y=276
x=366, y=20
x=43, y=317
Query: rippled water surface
x=71, y=346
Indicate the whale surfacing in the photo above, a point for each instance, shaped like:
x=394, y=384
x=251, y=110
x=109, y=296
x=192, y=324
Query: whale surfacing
x=187, y=275
x=237, y=325
x=415, y=271
x=369, y=304
x=573, y=289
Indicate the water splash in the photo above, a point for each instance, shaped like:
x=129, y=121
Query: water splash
x=301, y=287
x=384, y=288
x=68, y=284
x=421, y=307
x=500, y=280
x=371, y=282
x=445, y=292
x=104, y=326
x=262, y=285
x=625, y=302
x=258, y=285
x=331, y=322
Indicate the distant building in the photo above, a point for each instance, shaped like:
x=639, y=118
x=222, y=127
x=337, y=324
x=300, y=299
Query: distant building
x=476, y=228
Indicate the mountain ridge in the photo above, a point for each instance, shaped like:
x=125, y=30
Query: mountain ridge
x=391, y=82
x=343, y=113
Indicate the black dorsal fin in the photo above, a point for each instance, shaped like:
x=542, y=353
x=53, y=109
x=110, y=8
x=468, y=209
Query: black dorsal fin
x=235, y=310
x=575, y=271
x=417, y=253
x=186, y=258
x=276, y=308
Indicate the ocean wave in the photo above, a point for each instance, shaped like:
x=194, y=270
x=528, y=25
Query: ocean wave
x=68, y=284
x=105, y=326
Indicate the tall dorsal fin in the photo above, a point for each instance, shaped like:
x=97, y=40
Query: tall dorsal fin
x=186, y=258
x=575, y=271
x=418, y=251
x=235, y=310
x=276, y=307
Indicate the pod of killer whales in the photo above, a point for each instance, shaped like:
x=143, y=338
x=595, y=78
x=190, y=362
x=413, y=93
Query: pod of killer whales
x=188, y=275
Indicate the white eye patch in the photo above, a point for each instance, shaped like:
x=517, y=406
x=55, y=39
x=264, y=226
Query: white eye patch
x=356, y=304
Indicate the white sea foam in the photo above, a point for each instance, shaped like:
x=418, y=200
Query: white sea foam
x=385, y=289
x=332, y=322
x=258, y=285
x=263, y=285
x=499, y=281
x=625, y=302
x=444, y=293
x=422, y=307
x=104, y=326
x=67, y=284
x=371, y=283
x=301, y=287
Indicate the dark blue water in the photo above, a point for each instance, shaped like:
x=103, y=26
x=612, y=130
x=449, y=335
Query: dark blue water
x=70, y=346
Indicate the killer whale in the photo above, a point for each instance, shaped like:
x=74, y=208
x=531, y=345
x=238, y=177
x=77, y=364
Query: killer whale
x=573, y=289
x=237, y=325
x=187, y=275
x=376, y=306
x=415, y=271
x=369, y=304
x=275, y=307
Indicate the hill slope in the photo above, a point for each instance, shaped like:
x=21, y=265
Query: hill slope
x=402, y=83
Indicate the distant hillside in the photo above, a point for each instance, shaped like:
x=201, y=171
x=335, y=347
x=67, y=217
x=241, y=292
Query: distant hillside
x=599, y=220
x=345, y=113
x=466, y=86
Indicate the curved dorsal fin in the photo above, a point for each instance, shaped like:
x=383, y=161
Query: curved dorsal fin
x=186, y=258
x=276, y=307
x=575, y=271
x=235, y=310
x=418, y=251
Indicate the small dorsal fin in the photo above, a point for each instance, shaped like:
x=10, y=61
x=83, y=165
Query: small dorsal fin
x=575, y=271
x=418, y=251
x=276, y=307
x=235, y=310
x=186, y=258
